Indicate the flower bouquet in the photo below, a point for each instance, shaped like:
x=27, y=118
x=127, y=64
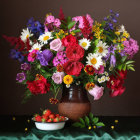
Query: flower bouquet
x=78, y=50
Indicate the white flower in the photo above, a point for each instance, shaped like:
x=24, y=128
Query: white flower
x=103, y=79
x=84, y=43
x=102, y=48
x=99, y=80
x=67, y=86
x=94, y=60
x=36, y=46
x=121, y=28
x=107, y=78
x=106, y=73
x=45, y=37
x=25, y=34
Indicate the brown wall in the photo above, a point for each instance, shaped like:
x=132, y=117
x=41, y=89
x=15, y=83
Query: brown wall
x=13, y=17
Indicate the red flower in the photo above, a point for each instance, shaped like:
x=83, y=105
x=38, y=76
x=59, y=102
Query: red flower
x=38, y=86
x=75, y=52
x=122, y=74
x=69, y=40
x=72, y=67
x=116, y=83
x=89, y=70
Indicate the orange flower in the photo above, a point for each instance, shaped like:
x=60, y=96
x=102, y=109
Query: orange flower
x=59, y=68
x=89, y=69
x=53, y=100
x=89, y=86
x=39, y=77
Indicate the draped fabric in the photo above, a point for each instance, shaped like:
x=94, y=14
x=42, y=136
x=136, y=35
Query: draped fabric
x=127, y=128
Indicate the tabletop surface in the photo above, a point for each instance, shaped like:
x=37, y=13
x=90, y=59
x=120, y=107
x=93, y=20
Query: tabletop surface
x=22, y=127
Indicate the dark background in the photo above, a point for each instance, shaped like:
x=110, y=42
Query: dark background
x=13, y=18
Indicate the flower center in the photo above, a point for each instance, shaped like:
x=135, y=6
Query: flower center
x=93, y=61
x=84, y=44
x=33, y=55
x=46, y=38
x=90, y=69
x=27, y=36
x=100, y=49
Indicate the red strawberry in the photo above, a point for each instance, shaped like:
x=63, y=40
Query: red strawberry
x=50, y=120
x=47, y=112
x=52, y=116
x=45, y=117
x=56, y=119
x=62, y=118
x=38, y=118
x=57, y=115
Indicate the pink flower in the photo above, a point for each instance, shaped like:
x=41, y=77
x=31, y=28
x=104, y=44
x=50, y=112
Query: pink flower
x=97, y=92
x=90, y=20
x=58, y=77
x=32, y=56
x=56, y=45
x=57, y=22
x=50, y=19
x=100, y=70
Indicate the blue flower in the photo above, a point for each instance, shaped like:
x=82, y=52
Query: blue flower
x=35, y=26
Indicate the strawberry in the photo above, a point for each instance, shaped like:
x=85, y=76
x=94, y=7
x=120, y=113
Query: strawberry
x=50, y=120
x=62, y=118
x=38, y=118
x=56, y=119
x=57, y=115
x=47, y=112
x=43, y=120
x=52, y=116
x=45, y=117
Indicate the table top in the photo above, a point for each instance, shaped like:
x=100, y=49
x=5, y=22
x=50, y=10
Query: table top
x=116, y=127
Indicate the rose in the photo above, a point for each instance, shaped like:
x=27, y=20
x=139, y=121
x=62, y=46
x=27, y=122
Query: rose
x=69, y=41
x=58, y=77
x=72, y=67
x=75, y=52
x=56, y=45
x=97, y=92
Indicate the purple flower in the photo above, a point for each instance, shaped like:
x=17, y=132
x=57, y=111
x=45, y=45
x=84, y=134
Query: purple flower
x=16, y=55
x=131, y=47
x=113, y=60
x=25, y=66
x=44, y=57
x=60, y=58
x=21, y=77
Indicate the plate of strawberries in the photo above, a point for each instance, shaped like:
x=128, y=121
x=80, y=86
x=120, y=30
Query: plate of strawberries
x=49, y=120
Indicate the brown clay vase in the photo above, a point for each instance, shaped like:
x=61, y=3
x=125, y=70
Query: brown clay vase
x=74, y=102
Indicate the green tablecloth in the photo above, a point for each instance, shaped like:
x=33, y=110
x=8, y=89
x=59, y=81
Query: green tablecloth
x=21, y=128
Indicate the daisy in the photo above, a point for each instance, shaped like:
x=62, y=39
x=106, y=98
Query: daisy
x=45, y=37
x=107, y=78
x=99, y=80
x=84, y=43
x=36, y=46
x=94, y=60
x=102, y=48
x=25, y=34
x=103, y=78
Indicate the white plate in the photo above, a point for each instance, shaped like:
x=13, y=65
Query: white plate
x=50, y=125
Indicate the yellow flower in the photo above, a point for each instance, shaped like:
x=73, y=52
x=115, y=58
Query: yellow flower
x=123, y=39
x=117, y=33
x=114, y=41
x=68, y=79
x=125, y=34
x=72, y=33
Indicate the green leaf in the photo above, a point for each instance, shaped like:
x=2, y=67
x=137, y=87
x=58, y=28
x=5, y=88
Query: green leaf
x=131, y=68
x=124, y=67
x=100, y=124
x=96, y=42
x=77, y=124
x=123, y=59
x=128, y=62
x=76, y=31
x=95, y=120
x=120, y=66
x=91, y=116
x=68, y=19
x=71, y=24
x=87, y=120
x=82, y=121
